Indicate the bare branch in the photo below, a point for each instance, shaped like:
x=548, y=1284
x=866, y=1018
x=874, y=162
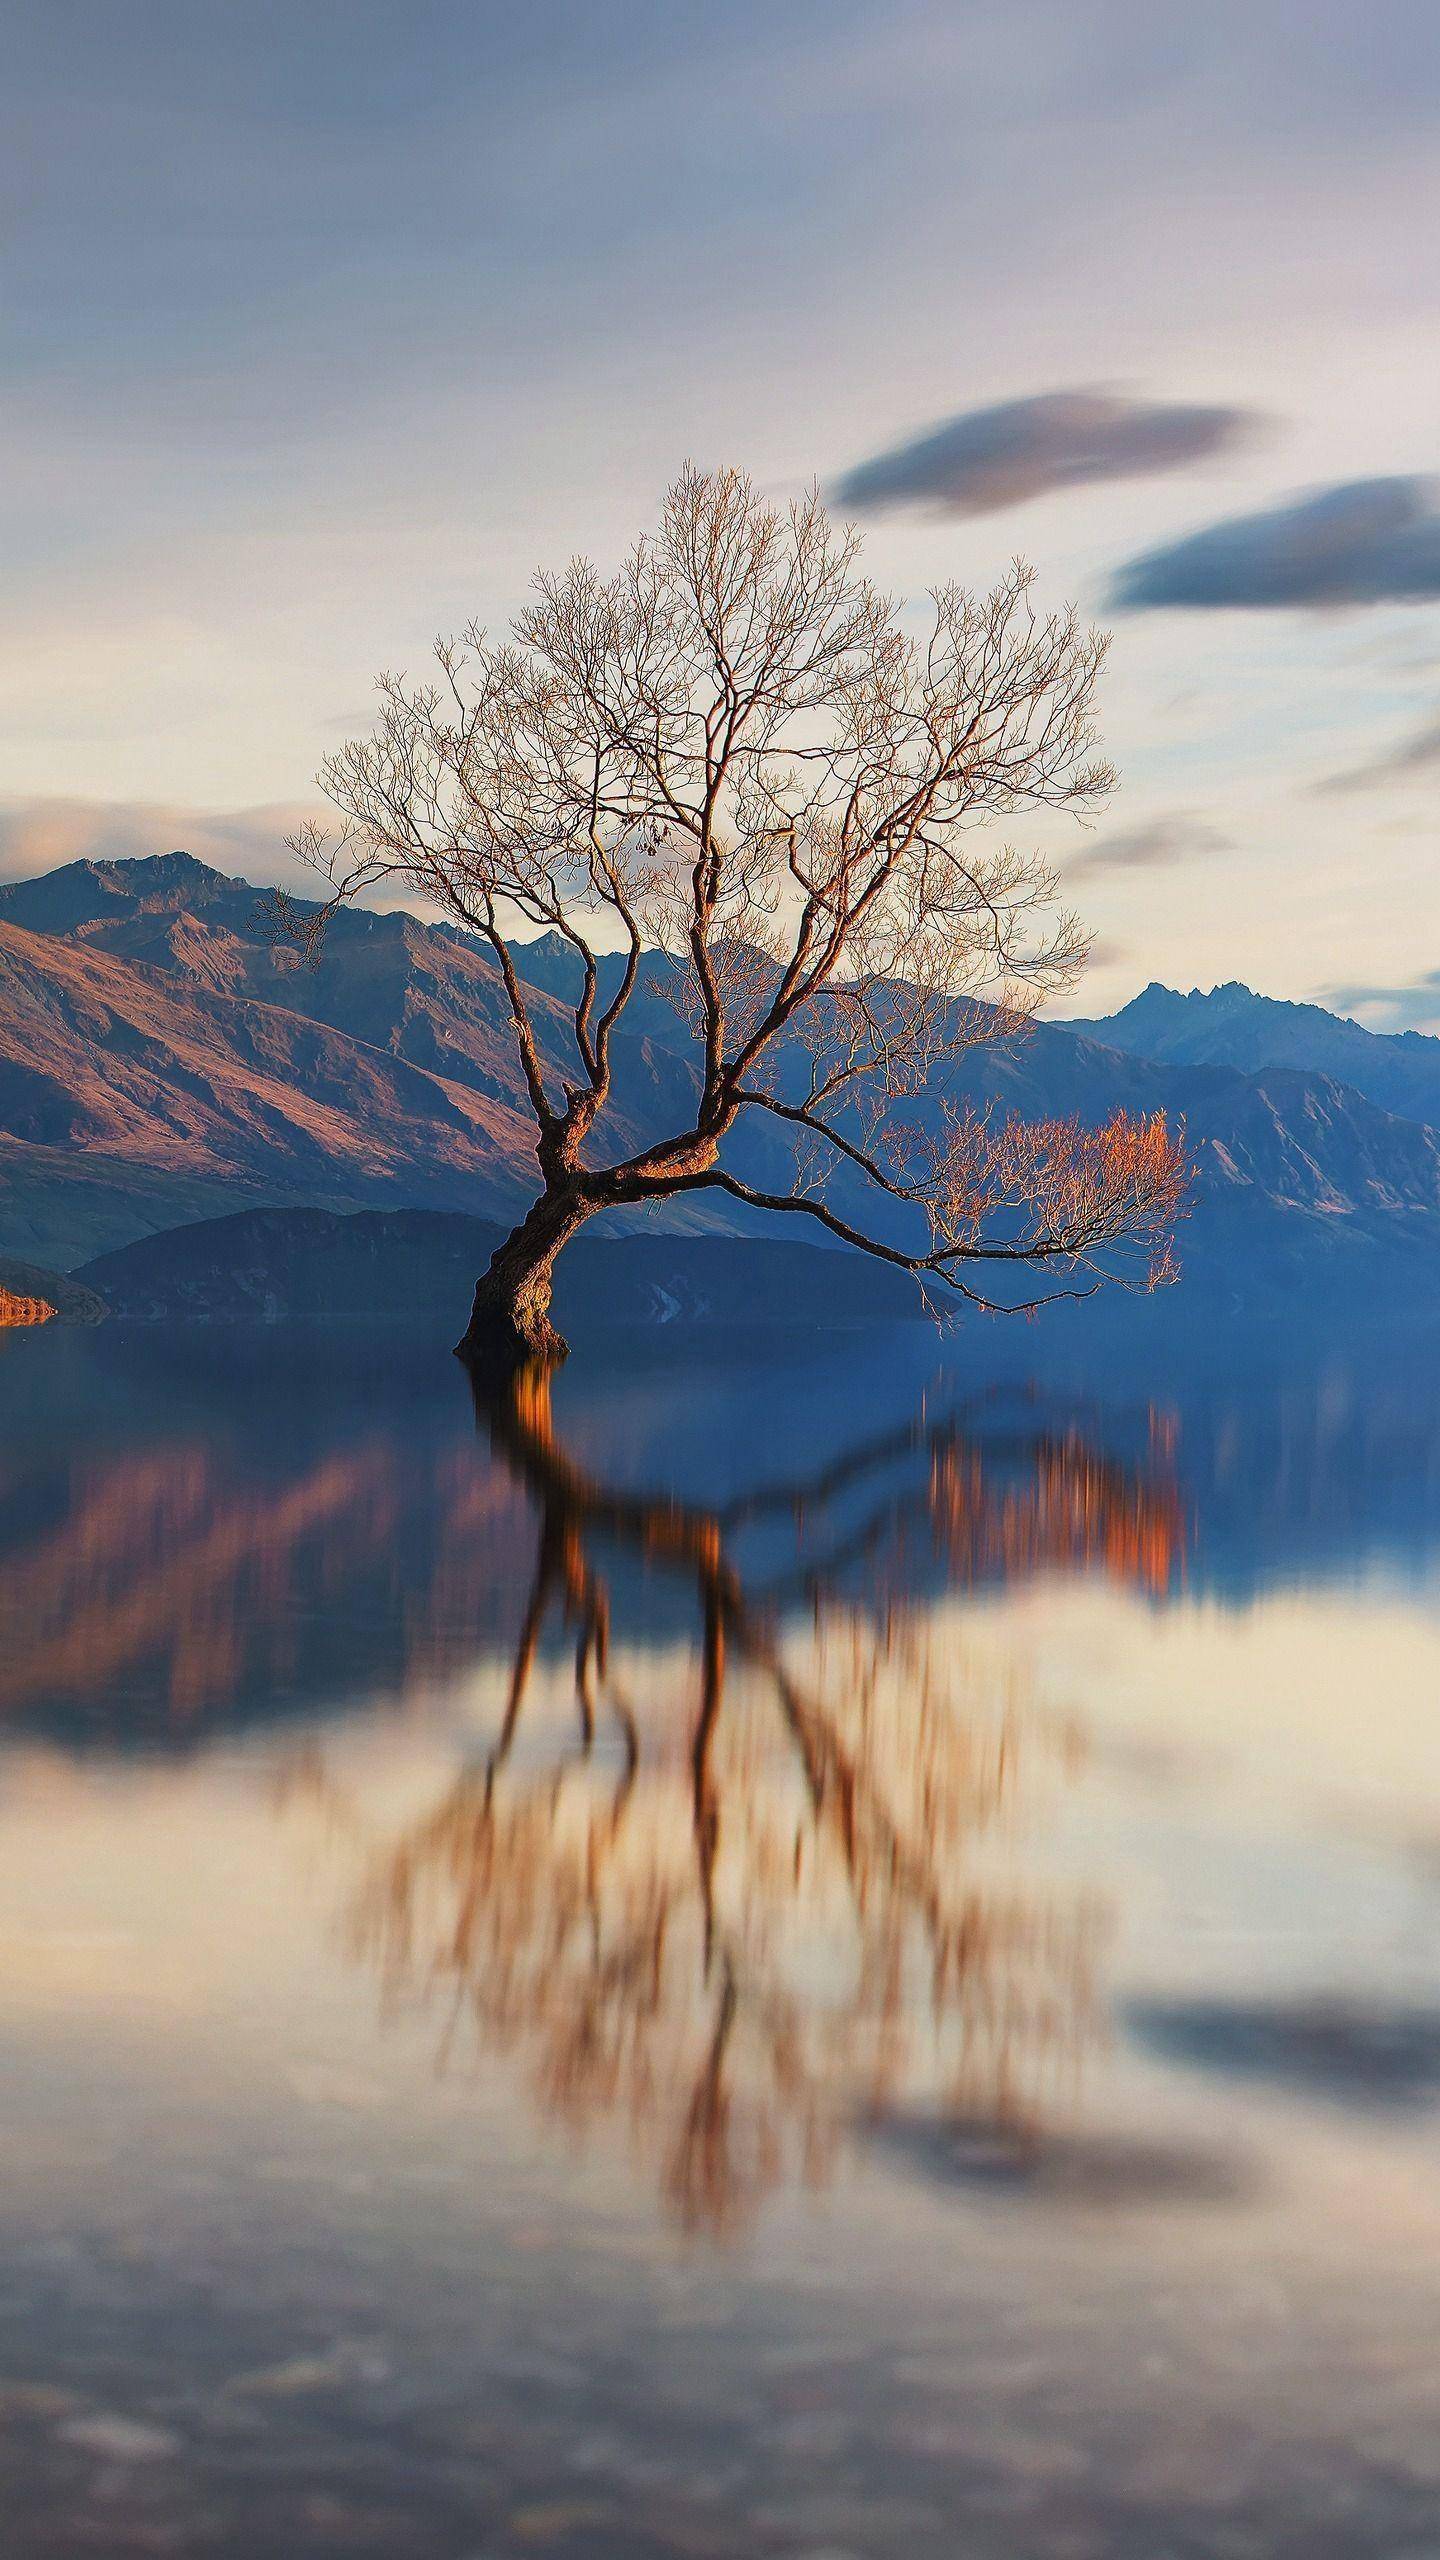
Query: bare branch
x=735, y=751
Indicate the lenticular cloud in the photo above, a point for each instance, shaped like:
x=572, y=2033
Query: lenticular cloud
x=1365, y=542
x=1023, y=449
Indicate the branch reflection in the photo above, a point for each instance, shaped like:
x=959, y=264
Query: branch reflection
x=739, y=1890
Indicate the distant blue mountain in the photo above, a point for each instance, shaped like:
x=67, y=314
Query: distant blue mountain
x=1231, y=1027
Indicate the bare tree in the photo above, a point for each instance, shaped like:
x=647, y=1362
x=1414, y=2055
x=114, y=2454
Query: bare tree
x=737, y=754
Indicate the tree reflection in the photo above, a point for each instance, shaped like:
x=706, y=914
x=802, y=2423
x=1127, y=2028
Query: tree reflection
x=738, y=1890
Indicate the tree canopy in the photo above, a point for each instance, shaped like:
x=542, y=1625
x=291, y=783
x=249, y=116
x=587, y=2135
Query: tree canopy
x=736, y=755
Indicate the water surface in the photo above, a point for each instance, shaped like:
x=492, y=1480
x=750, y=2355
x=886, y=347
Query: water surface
x=824, y=1952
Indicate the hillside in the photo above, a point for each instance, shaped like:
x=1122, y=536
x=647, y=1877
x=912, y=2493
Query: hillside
x=120, y=1065
x=163, y=1062
x=425, y=996
x=162, y=1059
x=421, y=1265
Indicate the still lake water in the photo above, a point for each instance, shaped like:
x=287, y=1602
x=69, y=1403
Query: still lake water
x=828, y=1954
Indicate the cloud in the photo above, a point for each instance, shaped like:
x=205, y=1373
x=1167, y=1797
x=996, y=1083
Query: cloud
x=1153, y=842
x=1022, y=449
x=38, y=835
x=1413, y=1006
x=1412, y=759
x=1363, y=542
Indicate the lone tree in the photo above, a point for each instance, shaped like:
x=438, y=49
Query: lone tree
x=735, y=772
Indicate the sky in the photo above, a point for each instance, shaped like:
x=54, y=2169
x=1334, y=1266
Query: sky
x=326, y=323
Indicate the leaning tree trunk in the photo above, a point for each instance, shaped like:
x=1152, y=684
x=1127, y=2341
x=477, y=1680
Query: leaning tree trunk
x=510, y=1319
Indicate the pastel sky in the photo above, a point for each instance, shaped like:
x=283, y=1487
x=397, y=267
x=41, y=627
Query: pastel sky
x=326, y=321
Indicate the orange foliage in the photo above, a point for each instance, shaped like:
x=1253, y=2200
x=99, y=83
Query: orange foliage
x=15, y=1310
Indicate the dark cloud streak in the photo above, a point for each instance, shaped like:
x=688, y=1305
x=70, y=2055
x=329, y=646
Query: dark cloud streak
x=1024, y=449
x=1363, y=542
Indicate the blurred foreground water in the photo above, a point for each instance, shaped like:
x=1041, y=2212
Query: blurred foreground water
x=819, y=1952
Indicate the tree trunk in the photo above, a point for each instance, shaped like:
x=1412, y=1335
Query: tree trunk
x=510, y=1319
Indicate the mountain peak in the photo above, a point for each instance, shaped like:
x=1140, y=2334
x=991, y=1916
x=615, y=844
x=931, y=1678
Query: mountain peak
x=131, y=874
x=1232, y=1026
x=139, y=870
x=149, y=892
x=147, y=875
x=1157, y=992
x=170, y=866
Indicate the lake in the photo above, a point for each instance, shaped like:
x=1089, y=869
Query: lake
x=825, y=1948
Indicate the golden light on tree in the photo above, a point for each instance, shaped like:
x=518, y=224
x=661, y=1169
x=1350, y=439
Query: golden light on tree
x=18, y=1310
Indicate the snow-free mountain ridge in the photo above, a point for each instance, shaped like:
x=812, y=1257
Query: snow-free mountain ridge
x=164, y=1059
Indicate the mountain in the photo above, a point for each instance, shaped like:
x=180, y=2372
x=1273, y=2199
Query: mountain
x=163, y=1062
x=1231, y=1027
x=1307, y=1165
x=425, y=994
x=112, y=1066
x=162, y=1058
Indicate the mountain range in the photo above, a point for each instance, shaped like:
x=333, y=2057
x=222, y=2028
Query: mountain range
x=164, y=1059
x=1230, y=1027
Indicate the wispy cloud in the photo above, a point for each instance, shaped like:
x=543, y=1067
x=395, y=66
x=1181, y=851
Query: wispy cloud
x=1415, y=758
x=1022, y=449
x=1180, y=837
x=1413, y=1005
x=1363, y=542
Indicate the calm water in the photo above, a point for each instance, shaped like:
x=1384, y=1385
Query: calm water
x=828, y=1957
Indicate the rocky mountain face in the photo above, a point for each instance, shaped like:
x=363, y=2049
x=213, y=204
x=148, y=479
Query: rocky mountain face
x=163, y=1060
x=110, y=1064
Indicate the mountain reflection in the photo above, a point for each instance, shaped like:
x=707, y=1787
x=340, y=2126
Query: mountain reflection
x=187, y=1579
x=740, y=1885
x=271, y=1544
